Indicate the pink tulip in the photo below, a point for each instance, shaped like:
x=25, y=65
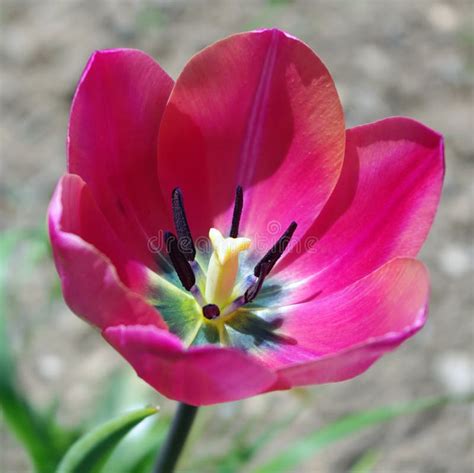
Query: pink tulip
x=310, y=275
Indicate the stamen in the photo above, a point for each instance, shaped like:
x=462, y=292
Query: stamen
x=275, y=252
x=211, y=311
x=252, y=292
x=196, y=292
x=239, y=203
x=181, y=265
x=185, y=239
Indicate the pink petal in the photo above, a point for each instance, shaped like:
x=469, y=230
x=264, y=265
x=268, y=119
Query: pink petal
x=382, y=207
x=91, y=286
x=350, y=329
x=257, y=109
x=198, y=376
x=113, y=132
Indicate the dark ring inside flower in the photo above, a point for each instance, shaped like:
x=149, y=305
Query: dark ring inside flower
x=211, y=311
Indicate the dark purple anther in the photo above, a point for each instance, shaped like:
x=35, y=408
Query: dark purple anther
x=238, y=206
x=185, y=239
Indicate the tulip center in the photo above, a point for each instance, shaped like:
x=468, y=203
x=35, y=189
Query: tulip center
x=218, y=283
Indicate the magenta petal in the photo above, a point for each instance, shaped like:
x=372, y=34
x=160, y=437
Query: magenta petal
x=198, y=376
x=257, y=109
x=90, y=283
x=113, y=130
x=382, y=208
x=350, y=329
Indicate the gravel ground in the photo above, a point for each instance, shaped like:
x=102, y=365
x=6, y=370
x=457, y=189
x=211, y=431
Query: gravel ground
x=399, y=57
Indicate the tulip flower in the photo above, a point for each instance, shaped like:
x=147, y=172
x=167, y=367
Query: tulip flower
x=227, y=234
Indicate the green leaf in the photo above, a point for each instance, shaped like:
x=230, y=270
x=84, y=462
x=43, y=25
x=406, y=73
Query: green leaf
x=91, y=451
x=42, y=438
x=7, y=243
x=137, y=453
x=301, y=450
x=249, y=450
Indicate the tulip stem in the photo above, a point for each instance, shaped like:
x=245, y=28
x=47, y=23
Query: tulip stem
x=176, y=438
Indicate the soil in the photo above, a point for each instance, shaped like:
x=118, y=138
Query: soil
x=398, y=57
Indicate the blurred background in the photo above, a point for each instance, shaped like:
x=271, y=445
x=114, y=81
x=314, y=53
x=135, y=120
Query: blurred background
x=398, y=57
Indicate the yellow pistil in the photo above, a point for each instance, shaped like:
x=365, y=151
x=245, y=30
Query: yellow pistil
x=223, y=267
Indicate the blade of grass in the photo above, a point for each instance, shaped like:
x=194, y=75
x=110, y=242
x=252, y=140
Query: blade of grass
x=92, y=450
x=301, y=450
x=137, y=452
x=42, y=438
x=366, y=462
x=7, y=244
x=243, y=450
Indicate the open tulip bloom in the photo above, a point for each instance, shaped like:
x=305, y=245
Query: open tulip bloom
x=227, y=234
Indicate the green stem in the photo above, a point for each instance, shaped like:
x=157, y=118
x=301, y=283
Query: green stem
x=177, y=435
